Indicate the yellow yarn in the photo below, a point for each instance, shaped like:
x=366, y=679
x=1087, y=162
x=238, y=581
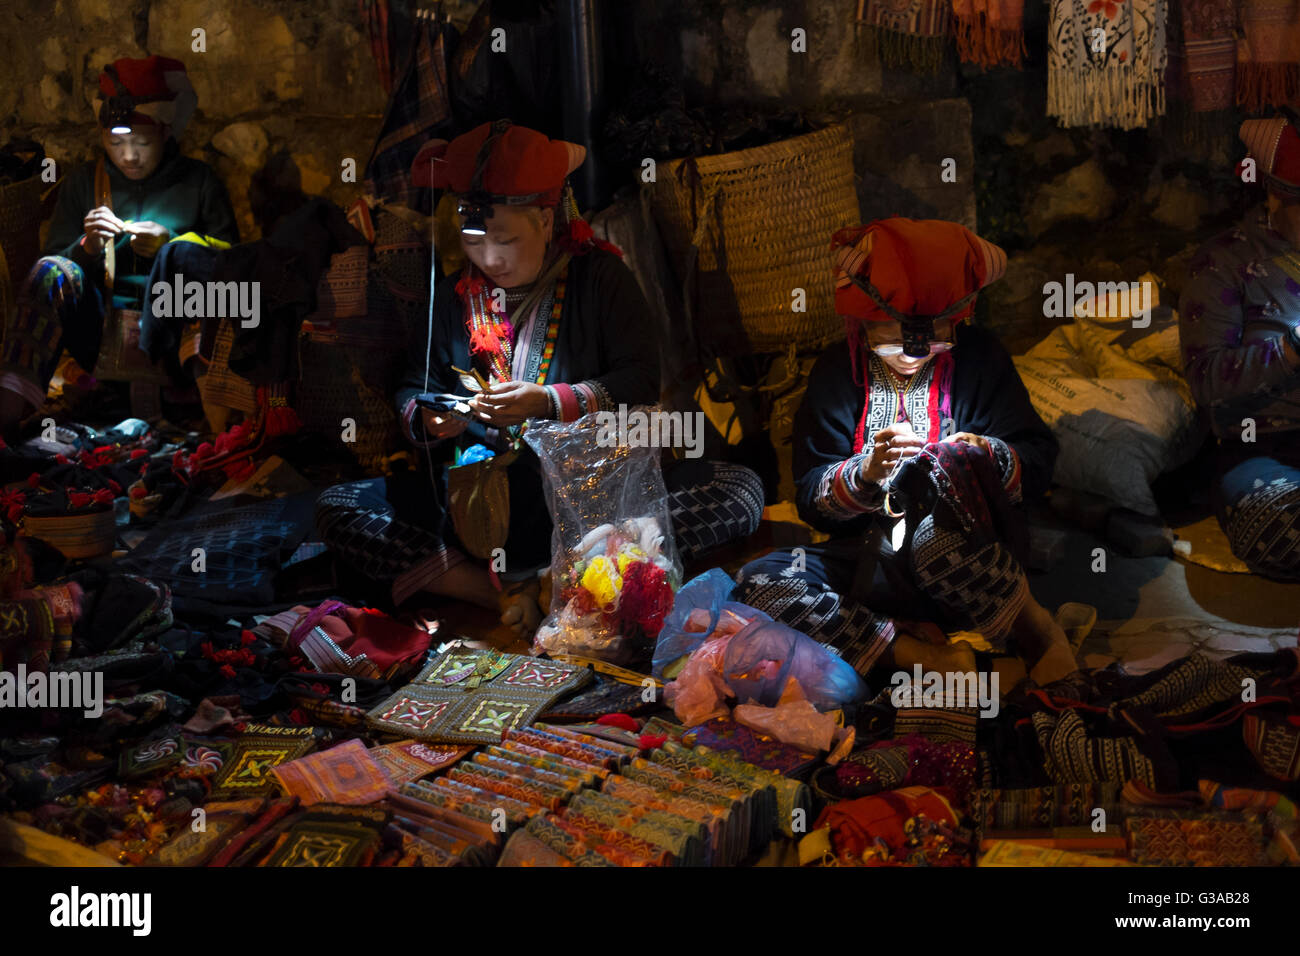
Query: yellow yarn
x=603, y=580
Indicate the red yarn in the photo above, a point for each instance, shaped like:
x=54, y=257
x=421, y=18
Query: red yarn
x=647, y=597
x=651, y=741
x=470, y=285
x=485, y=338
x=621, y=721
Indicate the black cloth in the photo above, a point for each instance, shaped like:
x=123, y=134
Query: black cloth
x=606, y=335
x=988, y=398
x=183, y=194
x=243, y=551
x=288, y=265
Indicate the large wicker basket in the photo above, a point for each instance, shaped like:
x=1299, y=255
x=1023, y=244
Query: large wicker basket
x=20, y=226
x=762, y=220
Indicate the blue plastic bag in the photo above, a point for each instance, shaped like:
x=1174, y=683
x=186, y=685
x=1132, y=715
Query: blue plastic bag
x=761, y=658
x=711, y=591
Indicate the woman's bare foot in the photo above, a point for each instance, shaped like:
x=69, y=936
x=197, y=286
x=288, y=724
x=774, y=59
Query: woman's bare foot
x=1042, y=644
x=520, y=610
x=945, y=658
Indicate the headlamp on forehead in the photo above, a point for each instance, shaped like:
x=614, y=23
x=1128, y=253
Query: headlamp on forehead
x=918, y=330
x=115, y=112
x=475, y=209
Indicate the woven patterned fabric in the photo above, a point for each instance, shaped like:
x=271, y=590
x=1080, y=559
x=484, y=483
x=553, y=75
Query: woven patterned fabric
x=150, y=757
x=222, y=823
x=548, y=763
x=567, y=747
x=524, y=849
x=1274, y=739
x=606, y=696
x=471, y=696
x=419, y=103
x=1195, y=838
x=332, y=836
x=723, y=733
x=242, y=551
x=956, y=724
x=685, y=839
x=1203, y=53
x=643, y=851
x=568, y=843
x=344, y=774
x=1041, y=808
x=1191, y=685
x=1074, y=755
x=257, y=752
x=409, y=760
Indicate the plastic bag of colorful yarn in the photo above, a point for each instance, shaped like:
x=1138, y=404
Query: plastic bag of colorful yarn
x=614, y=563
x=766, y=653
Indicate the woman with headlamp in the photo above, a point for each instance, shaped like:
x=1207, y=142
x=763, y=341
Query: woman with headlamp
x=112, y=217
x=549, y=318
x=912, y=447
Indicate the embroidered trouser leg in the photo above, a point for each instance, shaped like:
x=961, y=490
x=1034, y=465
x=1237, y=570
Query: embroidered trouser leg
x=378, y=531
x=1258, y=502
x=712, y=503
x=57, y=308
x=808, y=590
x=977, y=587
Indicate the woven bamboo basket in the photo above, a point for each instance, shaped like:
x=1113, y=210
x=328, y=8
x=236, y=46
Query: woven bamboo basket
x=762, y=220
x=20, y=226
x=87, y=535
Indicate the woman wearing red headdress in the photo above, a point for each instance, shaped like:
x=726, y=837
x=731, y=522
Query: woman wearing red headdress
x=555, y=323
x=135, y=197
x=1239, y=330
x=912, y=447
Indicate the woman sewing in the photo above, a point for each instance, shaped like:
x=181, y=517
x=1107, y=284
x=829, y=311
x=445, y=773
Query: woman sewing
x=543, y=321
x=911, y=448
x=122, y=208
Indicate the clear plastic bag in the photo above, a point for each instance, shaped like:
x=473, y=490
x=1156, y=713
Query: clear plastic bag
x=614, y=563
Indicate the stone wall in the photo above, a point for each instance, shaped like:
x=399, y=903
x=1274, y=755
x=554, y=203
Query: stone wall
x=277, y=75
x=298, y=77
x=1102, y=204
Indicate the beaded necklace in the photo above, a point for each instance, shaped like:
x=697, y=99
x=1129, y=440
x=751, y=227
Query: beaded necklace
x=490, y=331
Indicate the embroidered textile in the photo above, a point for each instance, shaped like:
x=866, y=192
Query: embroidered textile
x=762, y=750
x=1106, y=62
x=1268, y=73
x=471, y=696
x=1195, y=838
x=257, y=752
x=344, y=774
x=410, y=760
x=331, y=836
